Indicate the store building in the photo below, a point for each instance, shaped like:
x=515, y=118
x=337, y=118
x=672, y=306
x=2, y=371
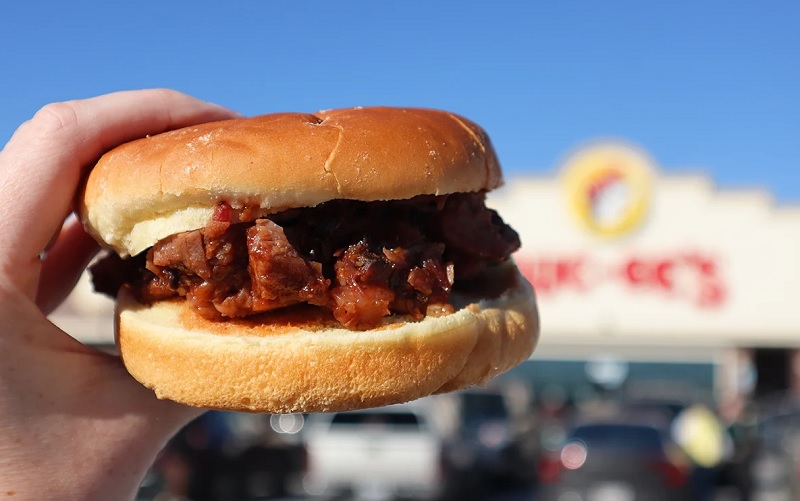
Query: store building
x=643, y=275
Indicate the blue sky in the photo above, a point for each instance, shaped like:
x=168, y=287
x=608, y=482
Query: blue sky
x=711, y=85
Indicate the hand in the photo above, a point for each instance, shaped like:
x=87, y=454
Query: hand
x=73, y=423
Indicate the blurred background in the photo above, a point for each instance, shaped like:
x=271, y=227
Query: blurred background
x=651, y=155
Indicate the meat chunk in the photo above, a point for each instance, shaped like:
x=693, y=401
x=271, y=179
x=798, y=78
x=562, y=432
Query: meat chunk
x=362, y=295
x=279, y=275
x=475, y=235
x=184, y=252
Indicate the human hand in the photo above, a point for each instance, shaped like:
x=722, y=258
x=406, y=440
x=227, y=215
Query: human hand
x=73, y=423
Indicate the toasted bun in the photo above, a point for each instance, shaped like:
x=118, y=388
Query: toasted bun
x=294, y=361
x=156, y=186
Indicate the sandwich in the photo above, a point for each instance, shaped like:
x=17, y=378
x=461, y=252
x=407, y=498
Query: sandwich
x=298, y=262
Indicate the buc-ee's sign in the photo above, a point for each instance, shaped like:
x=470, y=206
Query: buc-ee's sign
x=692, y=277
x=607, y=191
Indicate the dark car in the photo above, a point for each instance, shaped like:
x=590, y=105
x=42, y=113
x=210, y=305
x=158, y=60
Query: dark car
x=615, y=462
x=775, y=465
x=488, y=450
x=228, y=455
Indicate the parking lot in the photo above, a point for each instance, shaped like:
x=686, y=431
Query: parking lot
x=480, y=445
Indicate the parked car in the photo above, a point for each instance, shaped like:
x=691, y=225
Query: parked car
x=487, y=448
x=383, y=453
x=227, y=455
x=775, y=466
x=615, y=461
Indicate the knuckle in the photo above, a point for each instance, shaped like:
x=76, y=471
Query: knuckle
x=164, y=92
x=55, y=117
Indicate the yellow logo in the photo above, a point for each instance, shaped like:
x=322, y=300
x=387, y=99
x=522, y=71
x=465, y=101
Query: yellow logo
x=608, y=188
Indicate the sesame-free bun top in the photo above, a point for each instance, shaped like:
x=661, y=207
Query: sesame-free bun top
x=156, y=186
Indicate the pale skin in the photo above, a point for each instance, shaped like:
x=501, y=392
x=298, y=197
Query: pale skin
x=73, y=423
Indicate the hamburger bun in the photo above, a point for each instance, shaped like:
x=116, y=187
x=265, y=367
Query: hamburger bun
x=157, y=186
x=298, y=358
x=296, y=361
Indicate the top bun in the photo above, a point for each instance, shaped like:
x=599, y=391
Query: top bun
x=148, y=189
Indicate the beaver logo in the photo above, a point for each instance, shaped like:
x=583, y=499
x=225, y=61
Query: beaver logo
x=608, y=188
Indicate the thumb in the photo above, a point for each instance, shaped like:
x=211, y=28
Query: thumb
x=63, y=264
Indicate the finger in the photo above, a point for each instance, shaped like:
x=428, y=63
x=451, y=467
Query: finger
x=41, y=166
x=66, y=259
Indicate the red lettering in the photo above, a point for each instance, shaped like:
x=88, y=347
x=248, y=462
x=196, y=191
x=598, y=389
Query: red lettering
x=568, y=273
x=651, y=273
x=663, y=274
x=693, y=276
x=635, y=272
x=549, y=275
x=711, y=291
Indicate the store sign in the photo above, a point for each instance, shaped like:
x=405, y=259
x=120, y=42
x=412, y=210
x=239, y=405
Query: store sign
x=608, y=189
x=690, y=276
x=618, y=248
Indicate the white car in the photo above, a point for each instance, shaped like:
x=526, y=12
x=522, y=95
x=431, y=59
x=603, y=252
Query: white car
x=380, y=453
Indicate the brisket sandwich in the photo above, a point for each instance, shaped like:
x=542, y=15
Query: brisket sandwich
x=301, y=263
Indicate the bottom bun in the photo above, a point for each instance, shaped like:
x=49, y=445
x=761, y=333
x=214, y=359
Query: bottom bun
x=300, y=360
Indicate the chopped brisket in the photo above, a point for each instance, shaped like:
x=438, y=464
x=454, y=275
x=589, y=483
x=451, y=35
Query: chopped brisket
x=279, y=275
x=361, y=260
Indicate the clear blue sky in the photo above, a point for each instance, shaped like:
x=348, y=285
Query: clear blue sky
x=713, y=85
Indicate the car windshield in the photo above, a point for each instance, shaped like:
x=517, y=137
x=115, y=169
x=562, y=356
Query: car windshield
x=483, y=406
x=394, y=419
x=617, y=438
